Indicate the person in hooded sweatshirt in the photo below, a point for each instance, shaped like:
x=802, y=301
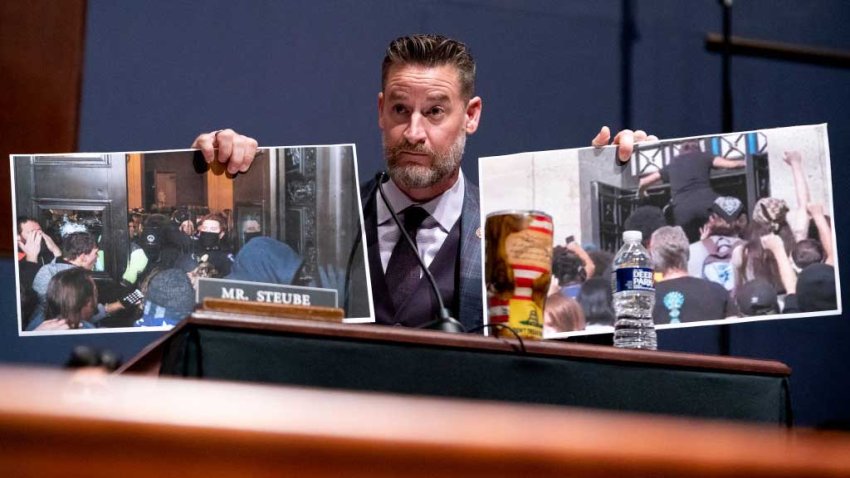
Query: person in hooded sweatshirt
x=267, y=260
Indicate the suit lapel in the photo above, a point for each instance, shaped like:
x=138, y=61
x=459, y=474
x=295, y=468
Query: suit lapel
x=471, y=308
x=384, y=310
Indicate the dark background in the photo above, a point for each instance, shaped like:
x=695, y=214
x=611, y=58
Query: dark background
x=157, y=73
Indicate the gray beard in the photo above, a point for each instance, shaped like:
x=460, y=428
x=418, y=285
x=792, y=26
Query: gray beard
x=416, y=176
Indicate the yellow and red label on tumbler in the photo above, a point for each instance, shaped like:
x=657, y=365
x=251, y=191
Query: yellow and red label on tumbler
x=518, y=268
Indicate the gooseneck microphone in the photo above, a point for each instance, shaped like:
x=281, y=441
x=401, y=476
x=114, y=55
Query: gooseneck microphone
x=444, y=321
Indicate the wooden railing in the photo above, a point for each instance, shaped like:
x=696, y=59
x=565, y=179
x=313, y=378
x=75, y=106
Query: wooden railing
x=93, y=425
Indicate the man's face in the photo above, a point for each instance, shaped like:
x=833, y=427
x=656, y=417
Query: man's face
x=251, y=226
x=88, y=261
x=424, y=122
x=210, y=225
x=27, y=228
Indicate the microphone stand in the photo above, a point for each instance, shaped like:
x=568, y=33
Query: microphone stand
x=444, y=321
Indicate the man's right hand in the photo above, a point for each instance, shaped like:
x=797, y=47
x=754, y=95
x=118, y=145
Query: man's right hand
x=815, y=210
x=792, y=157
x=234, y=150
x=773, y=243
x=187, y=228
x=53, y=324
x=32, y=246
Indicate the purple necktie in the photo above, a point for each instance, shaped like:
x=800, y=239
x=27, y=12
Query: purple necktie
x=403, y=269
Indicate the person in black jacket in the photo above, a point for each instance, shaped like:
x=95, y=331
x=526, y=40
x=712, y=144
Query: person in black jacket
x=691, y=194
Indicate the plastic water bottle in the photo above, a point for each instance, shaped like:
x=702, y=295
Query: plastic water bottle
x=634, y=295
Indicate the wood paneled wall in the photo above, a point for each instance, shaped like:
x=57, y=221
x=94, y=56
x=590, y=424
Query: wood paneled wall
x=41, y=59
x=134, y=181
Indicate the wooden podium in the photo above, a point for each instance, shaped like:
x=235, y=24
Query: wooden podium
x=227, y=346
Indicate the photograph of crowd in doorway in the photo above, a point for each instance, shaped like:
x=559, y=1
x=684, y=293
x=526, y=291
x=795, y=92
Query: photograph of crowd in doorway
x=119, y=242
x=739, y=226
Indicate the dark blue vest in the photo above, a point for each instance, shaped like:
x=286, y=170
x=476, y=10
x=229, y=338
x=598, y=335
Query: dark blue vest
x=421, y=306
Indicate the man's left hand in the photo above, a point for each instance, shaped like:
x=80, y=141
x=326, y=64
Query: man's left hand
x=625, y=140
x=51, y=246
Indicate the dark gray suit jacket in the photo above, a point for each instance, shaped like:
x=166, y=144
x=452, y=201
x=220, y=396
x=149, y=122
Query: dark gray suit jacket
x=470, y=307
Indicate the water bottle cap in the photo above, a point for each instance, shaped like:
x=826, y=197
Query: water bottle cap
x=632, y=236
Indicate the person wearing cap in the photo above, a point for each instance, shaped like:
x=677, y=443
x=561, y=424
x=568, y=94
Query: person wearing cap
x=137, y=262
x=719, y=238
x=679, y=297
x=752, y=260
x=757, y=297
x=168, y=300
x=689, y=176
x=145, y=250
x=158, y=246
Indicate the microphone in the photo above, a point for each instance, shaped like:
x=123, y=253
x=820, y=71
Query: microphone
x=444, y=321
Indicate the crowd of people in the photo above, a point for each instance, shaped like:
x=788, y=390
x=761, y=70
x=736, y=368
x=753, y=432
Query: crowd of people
x=773, y=259
x=169, y=252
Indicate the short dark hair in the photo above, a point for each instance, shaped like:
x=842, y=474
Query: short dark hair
x=432, y=51
x=602, y=261
x=567, y=266
x=76, y=244
x=596, y=298
x=807, y=252
x=646, y=219
x=721, y=227
x=214, y=216
x=68, y=292
x=23, y=220
x=155, y=220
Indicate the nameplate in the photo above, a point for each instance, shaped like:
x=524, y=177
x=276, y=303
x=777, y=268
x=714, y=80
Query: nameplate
x=265, y=293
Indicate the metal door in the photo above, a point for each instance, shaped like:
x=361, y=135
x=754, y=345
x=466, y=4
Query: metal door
x=86, y=189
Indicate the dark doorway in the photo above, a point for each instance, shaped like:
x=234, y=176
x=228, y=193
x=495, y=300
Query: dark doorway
x=613, y=205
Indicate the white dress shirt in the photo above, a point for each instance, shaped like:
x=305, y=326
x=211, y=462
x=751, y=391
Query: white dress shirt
x=444, y=212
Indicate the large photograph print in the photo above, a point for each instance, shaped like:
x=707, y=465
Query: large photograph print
x=132, y=241
x=739, y=226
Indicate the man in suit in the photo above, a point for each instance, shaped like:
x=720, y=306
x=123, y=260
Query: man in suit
x=426, y=109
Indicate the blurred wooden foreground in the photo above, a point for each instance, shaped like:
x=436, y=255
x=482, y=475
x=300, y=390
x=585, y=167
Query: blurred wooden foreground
x=58, y=424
